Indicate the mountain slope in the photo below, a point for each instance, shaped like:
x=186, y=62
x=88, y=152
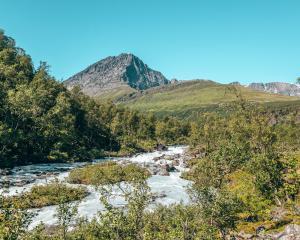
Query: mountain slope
x=277, y=87
x=188, y=97
x=116, y=76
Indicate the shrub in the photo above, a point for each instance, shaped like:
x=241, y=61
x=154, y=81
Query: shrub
x=107, y=173
x=49, y=194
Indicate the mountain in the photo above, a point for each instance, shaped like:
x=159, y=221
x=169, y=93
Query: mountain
x=116, y=76
x=189, y=98
x=127, y=81
x=277, y=87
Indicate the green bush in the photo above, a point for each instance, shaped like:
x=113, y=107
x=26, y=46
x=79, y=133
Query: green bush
x=49, y=194
x=107, y=173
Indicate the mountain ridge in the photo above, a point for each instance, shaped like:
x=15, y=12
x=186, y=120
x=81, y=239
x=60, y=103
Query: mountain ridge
x=282, y=88
x=127, y=81
x=117, y=76
x=124, y=73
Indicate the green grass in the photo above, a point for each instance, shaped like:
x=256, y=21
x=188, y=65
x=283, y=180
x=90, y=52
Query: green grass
x=107, y=173
x=116, y=94
x=47, y=195
x=191, y=97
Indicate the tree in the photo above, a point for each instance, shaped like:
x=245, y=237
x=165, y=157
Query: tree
x=66, y=212
x=218, y=208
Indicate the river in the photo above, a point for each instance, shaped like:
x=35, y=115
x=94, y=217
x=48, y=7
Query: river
x=170, y=189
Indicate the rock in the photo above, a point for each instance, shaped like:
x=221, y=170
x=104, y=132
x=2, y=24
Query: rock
x=291, y=232
x=4, y=184
x=171, y=168
x=161, y=147
x=169, y=157
x=176, y=162
x=260, y=230
x=158, y=195
x=159, y=158
x=153, y=169
x=22, y=182
x=5, y=172
x=288, y=89
x=183, y=165
x=278, y=214
x=243, y=235
x=163, y=171
x=235, y=83
x=125, y=71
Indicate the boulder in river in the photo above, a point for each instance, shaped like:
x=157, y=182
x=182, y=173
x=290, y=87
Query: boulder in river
x=5, y=172
x=161, y=147
x=158, y=195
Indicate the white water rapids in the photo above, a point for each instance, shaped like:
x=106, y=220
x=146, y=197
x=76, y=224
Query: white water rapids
x=172, y=188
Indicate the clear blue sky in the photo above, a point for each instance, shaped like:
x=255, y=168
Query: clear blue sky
x=222, y=40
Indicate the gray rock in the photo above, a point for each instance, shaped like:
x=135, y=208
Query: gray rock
x=161, y=147
x=123, y=72
x=5, y=172
x=277, y=87
x=243, y=235
x=163, y=172
x=176, y=162
x=158, y=195
x=291, y=232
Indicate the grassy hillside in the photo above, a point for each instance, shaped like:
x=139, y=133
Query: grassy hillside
x=186, y=98
x=117, y=93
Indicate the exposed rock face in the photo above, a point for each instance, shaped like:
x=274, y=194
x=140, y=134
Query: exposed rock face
x=111, y=73
x=235, y=83
x=277, y=87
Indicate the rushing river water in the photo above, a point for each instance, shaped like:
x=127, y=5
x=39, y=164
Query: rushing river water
x=172, y=188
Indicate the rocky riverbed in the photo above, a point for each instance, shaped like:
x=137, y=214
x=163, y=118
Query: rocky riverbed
x=165, y=183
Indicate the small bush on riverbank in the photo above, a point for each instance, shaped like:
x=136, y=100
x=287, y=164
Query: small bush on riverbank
x=107, y=173
x=50, y=194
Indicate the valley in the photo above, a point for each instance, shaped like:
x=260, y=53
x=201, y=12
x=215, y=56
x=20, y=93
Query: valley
x=120, y=152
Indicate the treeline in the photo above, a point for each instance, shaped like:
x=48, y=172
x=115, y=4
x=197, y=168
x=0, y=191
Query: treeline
x=41, y=121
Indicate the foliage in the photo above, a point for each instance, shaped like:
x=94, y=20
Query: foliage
x=41, y=121
x=240, y=154
x=172, y=130
x=14, y=220
x=178, y=222
x=49, y=194
x=66, y=212
x=256, y=207
x=107, y=173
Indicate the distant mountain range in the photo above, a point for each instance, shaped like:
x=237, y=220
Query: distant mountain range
x=120, y=76
x=277, y=87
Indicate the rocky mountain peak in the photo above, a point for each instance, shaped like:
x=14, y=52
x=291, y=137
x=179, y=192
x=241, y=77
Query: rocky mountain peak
x=115, y=72
x=283, y=88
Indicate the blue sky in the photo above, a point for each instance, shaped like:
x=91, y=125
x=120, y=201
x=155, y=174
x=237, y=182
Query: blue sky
x=222, y=40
